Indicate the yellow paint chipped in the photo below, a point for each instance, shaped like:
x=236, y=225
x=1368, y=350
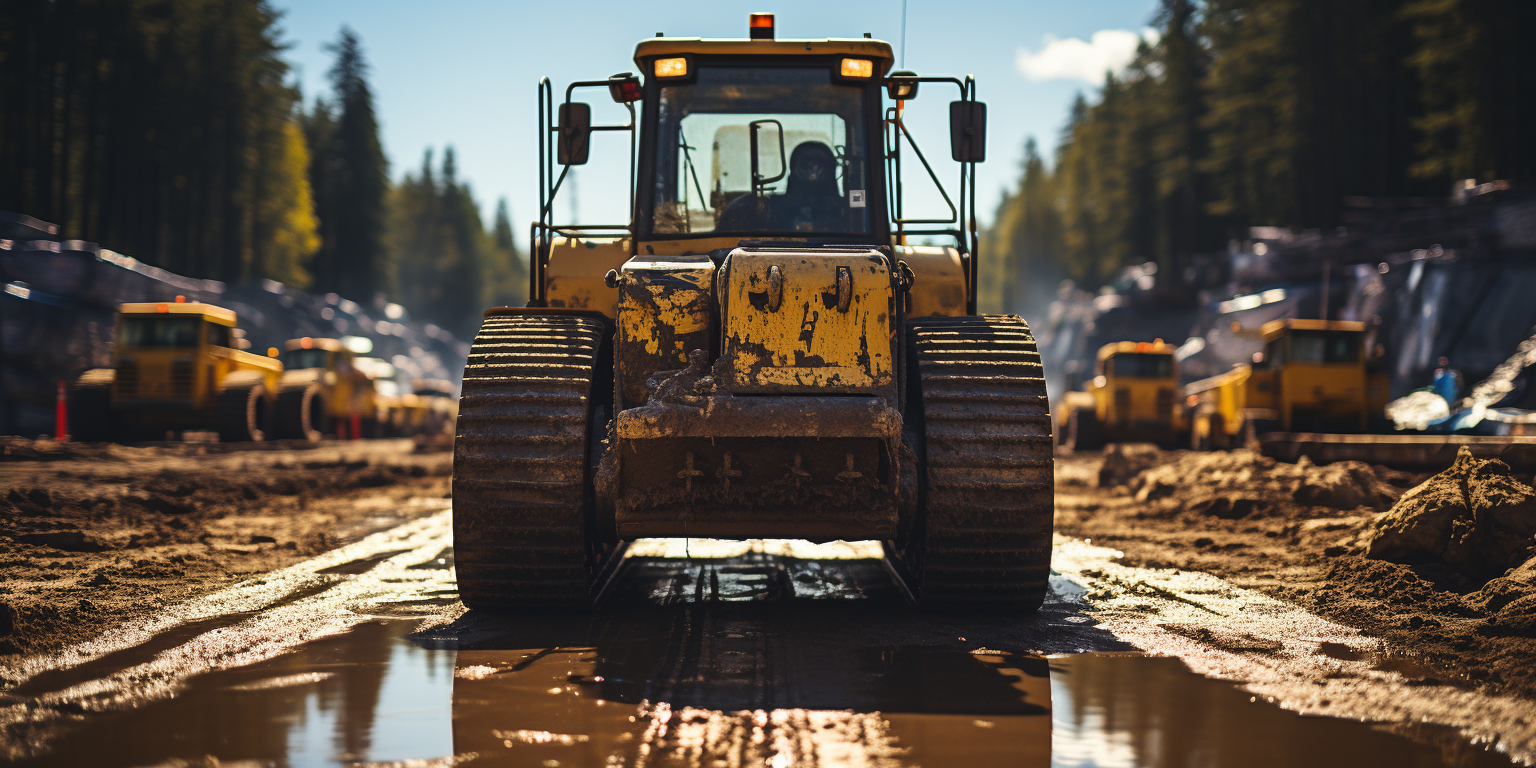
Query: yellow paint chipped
x=807, y=341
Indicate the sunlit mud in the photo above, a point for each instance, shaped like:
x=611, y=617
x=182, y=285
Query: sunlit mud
x=746, y=654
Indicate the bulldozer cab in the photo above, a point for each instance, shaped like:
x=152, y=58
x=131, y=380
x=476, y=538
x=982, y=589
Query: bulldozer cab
x=760, y=140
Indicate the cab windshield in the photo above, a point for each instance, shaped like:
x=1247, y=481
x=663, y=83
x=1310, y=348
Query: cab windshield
x=812, y=166
x=299, y=359
x=160, y=331
x=1140, y=366
x=1325, y=347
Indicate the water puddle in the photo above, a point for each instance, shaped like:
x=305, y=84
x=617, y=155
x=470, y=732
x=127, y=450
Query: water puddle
x=742, y=697
x=750, y=659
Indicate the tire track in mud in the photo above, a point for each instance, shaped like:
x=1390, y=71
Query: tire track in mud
x=250, y=622
x=1278, y=651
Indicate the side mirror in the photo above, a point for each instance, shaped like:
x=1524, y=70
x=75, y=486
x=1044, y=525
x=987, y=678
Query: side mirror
x=968, y=131
x=575, y=134
x=901, y=85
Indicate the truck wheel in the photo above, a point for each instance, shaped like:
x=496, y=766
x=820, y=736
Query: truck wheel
x=523, y=504
x=243, y=410
x=301, y=413
x=90, y=407
x=981, y=427
x=1083, y=431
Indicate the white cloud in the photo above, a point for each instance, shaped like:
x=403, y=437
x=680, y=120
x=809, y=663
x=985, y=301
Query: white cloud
x=1074, y=59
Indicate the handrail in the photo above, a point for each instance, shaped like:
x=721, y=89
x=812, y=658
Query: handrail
x=542, y=231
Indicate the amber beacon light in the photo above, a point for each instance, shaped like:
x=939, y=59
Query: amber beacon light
x=760, y=26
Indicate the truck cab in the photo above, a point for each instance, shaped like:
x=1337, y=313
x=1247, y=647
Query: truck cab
x=324, y=390
x=1133, y=397
x=177, y=367
x=1311, y=377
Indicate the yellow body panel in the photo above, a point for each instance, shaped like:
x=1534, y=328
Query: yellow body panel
x=574, y=277
x=1338, y=391
x=939, y=289
x=665, y=310
x=807, y=344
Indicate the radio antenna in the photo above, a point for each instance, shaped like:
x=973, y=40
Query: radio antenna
x=903, y=33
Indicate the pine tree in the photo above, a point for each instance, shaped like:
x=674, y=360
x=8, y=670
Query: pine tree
x=1479, y=88
x=154, y=128
x=350, y=176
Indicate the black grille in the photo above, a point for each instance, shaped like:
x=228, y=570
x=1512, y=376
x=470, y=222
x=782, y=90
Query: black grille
x=127, y=377
x=181, y=377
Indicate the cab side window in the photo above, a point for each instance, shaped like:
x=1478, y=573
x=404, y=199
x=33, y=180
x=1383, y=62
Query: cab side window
x=219, y=335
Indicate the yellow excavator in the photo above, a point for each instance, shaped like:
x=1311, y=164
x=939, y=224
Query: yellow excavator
x=759, y=351
x=177, y=366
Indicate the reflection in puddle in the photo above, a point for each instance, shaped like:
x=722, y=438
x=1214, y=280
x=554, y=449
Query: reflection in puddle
x=758, y=660
x=366, y=695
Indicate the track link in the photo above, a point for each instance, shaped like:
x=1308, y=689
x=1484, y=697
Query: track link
x=521, y=472
x=989, y=486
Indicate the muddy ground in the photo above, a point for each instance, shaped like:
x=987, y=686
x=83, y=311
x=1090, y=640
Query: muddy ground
x=1303, y=533
x=93, y=535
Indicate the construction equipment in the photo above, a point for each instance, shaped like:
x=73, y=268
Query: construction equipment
x=1133, y=397
x=439, y=403
x=176, y=367
x=1311, y=377
x=765, y=357
x=323, y=390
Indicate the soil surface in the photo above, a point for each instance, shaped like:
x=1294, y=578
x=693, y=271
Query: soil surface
x=92, y=535
x=1303, y=533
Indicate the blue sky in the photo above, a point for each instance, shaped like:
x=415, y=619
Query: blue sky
x=464, y=72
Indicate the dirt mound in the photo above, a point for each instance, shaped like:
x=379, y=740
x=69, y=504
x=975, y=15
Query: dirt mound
x=1120, y=465
x=1237, y=483
x=1474, y=517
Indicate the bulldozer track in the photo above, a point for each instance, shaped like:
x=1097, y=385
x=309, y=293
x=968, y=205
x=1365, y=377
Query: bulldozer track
x=989, y=485
x=521, y=469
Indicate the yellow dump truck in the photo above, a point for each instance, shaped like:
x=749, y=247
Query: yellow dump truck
x=1311, y=377
x=324, y=391
x=757, y=351
x=176, y=368
x=1132, y=398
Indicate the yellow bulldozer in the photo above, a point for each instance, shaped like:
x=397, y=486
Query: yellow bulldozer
x=758, y=351
x=1133, y=397
x=1313, y=376
x=176, y=367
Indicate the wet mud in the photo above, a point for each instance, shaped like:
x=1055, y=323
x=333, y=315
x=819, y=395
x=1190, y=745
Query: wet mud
x=92, y=535
x=748, y=658
x=1305, y=534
